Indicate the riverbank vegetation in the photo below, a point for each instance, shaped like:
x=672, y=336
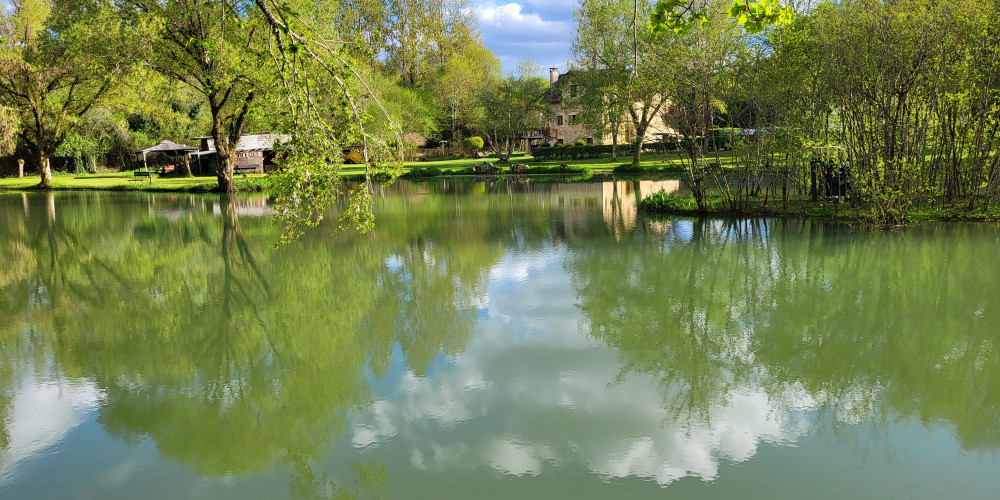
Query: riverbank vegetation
x=891, y=107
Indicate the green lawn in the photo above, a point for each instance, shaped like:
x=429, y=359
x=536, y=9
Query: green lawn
x=596, y=165
x=114, y=181
x=127, y=181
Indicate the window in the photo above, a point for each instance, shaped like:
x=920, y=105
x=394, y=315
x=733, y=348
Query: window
x=572, y=90
x=590, y=141
x=572, y=119
x=559, y=120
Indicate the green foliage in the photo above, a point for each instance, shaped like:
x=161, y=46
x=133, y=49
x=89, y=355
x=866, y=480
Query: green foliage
x=512, y=105
x=663, y=202
x=629, y=168
x=418, y=173
x=680, y=16
x=474, y=143
x=81, y=150
x=562, y=152
x=623, y=72
x=58, y=60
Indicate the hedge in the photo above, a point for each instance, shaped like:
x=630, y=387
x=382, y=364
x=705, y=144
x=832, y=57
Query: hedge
x=578, y=152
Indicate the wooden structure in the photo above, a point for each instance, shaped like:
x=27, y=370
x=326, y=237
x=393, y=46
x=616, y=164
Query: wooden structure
x=169, y=148
x=254, y=152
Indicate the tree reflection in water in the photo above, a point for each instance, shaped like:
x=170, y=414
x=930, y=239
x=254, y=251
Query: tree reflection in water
x=234, y=357
x=872, y=326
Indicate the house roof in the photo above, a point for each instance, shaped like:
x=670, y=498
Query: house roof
x=168, y=147
x=250, y=142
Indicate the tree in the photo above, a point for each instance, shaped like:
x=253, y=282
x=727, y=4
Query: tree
x=512, y=108
x=475, y=143
x=622, y=67
x=755, y=15
x=422, y=34
x=218, y=49
x=695, y=87
x=56, y=61
x=461, y=81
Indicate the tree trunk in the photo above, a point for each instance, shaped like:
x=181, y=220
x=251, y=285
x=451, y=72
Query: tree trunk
x=224, y=173
x=640, y=134
x=45, y=172
x=637, y=153
x=186, y=166
x=20, y=168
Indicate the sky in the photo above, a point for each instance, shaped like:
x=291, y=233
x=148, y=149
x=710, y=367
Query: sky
x=542, y=29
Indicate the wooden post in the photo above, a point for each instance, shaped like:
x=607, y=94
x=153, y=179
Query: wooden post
x=20, y=168
x=146, y=167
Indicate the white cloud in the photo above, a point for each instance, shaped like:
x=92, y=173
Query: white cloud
x=514, y=32
x=529, y=365
x=44, y=412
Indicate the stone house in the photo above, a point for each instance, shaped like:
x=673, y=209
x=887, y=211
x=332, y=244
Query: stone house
x=563, y=124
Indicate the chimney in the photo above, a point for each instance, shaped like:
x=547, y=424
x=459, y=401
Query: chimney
x=553, y=76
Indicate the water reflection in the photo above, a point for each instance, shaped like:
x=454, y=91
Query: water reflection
x=484, y=329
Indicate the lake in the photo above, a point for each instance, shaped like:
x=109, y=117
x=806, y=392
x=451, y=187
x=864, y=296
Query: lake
x=500, y=339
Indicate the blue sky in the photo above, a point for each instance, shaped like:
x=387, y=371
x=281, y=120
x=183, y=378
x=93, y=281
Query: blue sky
x=542, y=29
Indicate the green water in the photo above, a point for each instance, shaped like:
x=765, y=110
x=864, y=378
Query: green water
x=490, y=340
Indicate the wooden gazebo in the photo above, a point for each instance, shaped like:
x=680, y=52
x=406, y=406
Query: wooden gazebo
x=166, y=147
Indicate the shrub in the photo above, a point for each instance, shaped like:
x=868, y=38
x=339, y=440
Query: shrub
x=660, y=201
x=628, y=168
x=423, y=172
x=579, y=142
x=474, y=143
x=595, y=151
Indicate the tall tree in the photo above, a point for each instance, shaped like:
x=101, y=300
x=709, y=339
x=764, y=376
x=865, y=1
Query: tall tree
x=422, y=34
x=461, y=82
x=622, y=66
x=700, y=76
x=56, y=61
x=512, y=108
x=219, y=49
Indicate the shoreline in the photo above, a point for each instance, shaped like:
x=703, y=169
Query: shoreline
x=797, y=209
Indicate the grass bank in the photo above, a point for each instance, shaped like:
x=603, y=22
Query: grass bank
x=654, y=165
x=117, y=181
x=931, y=210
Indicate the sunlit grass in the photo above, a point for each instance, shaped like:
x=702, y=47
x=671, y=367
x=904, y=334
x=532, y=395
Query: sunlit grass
x=128, y=181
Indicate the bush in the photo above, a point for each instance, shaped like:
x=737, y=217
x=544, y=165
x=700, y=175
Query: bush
x=628, y=168
x=475, y=142
x=423, y=172
x=579, y=142
x=660, y=201
x=578, y=152
x=381, y=177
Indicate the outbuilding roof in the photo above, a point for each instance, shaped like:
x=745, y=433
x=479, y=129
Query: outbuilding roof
x=168, y=147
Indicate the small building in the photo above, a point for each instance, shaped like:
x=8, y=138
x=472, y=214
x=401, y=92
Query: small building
x=254, y=152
